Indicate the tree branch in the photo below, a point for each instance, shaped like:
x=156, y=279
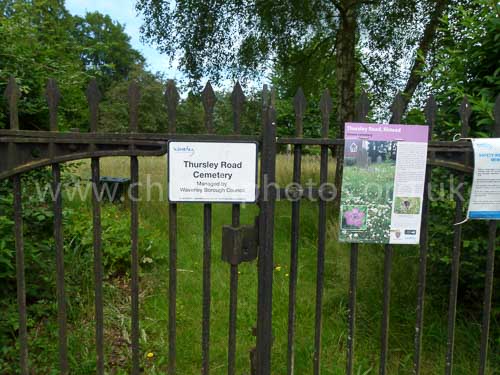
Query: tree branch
x=424, y=47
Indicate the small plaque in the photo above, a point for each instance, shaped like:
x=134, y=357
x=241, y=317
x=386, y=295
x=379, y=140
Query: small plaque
x=212, y=171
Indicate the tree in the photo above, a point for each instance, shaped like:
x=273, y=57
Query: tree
x=105, y=48
x=34, y=46
x=241, y=38
x=114, y=116
x=244, y=37
x=41, y=40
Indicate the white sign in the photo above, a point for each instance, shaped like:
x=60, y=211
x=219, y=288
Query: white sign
x=485, y=194
x=212, y=171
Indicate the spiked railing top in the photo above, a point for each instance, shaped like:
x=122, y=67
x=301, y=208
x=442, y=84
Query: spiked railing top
x=172, y=99
x=237, y=100
x=134, y=97
x=265, y=97
x=208, y=98
x=430, y=113
x=299, y=105
x=325, y=105
x=362, y=107
x=397, y=108
x=52, y=95
x=465, y=112
x=93, y=97
x=12, y=94
x=272, y=99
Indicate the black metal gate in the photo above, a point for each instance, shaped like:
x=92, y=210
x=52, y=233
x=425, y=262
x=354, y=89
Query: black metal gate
x=22, y=151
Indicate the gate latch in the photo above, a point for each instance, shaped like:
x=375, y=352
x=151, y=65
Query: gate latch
x=240, y=244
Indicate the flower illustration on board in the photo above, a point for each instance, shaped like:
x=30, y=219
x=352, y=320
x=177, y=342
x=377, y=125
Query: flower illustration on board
x=354, y=218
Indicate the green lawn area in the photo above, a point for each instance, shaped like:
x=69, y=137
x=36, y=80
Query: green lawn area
x=154, y=294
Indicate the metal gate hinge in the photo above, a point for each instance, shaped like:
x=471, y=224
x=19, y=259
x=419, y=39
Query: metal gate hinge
x=240, y=244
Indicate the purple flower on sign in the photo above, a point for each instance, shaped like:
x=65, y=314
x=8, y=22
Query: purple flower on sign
x=354, y=217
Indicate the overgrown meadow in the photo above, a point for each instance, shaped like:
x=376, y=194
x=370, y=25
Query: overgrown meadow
x=154, y=292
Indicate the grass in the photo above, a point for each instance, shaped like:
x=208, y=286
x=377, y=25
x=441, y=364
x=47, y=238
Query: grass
x=154, y=295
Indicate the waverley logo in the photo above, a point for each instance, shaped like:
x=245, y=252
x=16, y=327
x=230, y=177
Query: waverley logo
x=184, y=150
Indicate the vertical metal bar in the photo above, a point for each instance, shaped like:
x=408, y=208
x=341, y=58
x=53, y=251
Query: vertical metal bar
x=397, y=114
x=207, y=265
x=172, y=99
x=384, y=338
x=98, y=271
x=325, y=107
x=362, y=108
x=52, y=94
x=352, y=307
x=21, y=283
x=299, y=103
x=424, y=235
x=488, y=289
x=12, y=95
x=465, y=113
x=238, y=99
x=61, y=296
x=265, y=261
x=134, y=98
x=93, y=98
x=134, y=233
x=490, y=266
x=208, y=99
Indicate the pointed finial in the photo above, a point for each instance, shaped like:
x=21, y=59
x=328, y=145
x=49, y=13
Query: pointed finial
x=299, y=103
x=397, y=108
x=208, y=98
x=52, y=95
x=265, y=97
x=134, y=97
x=465, y=112
x=272, y=102
x=362, y=107
x=12, y=94
x=237, y=100
x=93, y=97
x=172, y=98
x=325, y=105
x=430, y=113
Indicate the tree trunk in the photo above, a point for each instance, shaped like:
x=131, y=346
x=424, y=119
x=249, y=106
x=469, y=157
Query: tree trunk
x=346, y=77
x=424, y=47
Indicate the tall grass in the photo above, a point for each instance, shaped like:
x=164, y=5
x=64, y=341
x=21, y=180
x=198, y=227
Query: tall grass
x=154, y=294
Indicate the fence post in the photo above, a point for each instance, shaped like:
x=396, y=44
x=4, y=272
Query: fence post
x=172, y=99
x=53, y=95
x=362, y=109
x=12, y=95
x=93, y=98
x=299, y=104
x=465, y=113
x=490, y=265
x=134, y=97
x=266, y=238
x=237, y=101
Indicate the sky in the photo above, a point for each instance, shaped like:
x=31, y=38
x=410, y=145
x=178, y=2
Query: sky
x=124, y=12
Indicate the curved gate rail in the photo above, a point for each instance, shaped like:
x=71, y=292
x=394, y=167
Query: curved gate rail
x=23, y=150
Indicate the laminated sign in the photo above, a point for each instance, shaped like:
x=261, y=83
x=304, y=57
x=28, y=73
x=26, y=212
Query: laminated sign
x=485, y=194
x=212, y=171
x=383, y=183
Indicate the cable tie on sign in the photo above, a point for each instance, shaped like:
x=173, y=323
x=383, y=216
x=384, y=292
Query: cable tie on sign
x=458, y=137
x=463, y=221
